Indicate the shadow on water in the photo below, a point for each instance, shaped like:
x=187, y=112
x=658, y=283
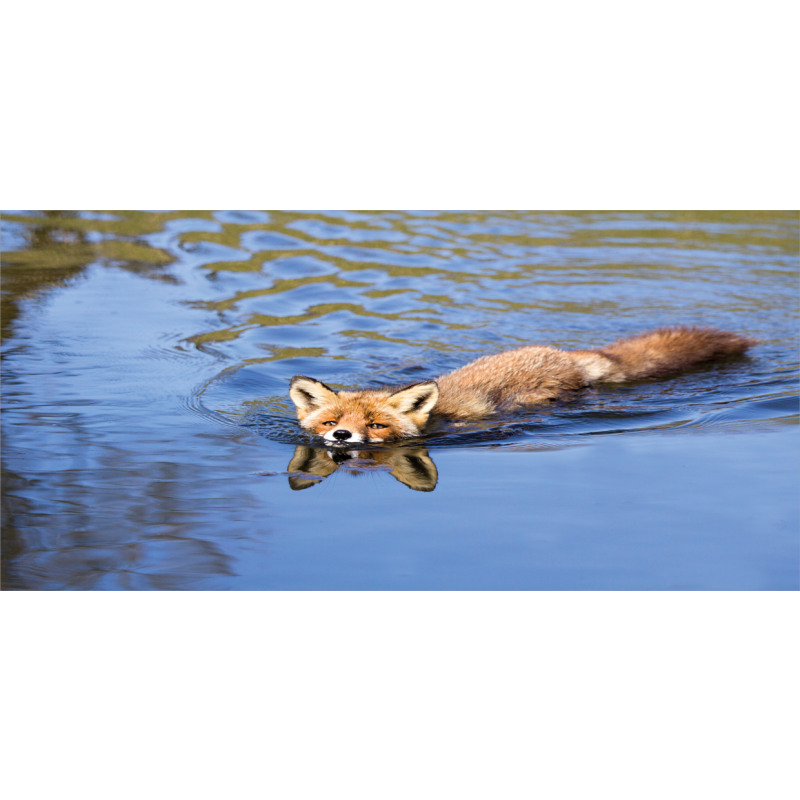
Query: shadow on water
x=412, y=466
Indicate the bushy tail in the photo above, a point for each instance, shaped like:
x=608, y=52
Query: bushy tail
x=669, y=350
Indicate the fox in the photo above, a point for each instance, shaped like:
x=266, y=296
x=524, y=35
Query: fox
x=502, y=383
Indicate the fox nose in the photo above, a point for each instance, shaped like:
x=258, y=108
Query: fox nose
x=342, y=434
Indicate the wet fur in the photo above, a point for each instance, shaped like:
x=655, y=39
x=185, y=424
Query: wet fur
x=506, y=381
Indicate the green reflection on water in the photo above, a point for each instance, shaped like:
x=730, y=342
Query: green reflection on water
x=279, y=287
x=58, y=245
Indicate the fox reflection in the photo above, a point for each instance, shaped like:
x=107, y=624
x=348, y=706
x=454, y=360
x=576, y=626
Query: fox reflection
x=411, y=466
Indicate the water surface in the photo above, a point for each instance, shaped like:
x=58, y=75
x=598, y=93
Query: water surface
x=149, y=442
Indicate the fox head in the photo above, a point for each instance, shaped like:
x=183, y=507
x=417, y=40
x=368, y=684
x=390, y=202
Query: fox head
x=369, y=415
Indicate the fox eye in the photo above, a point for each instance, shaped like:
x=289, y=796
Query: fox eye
x=330, y=422
x=376, y=425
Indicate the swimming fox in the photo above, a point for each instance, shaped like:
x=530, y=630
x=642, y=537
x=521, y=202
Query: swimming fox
x=503, y=382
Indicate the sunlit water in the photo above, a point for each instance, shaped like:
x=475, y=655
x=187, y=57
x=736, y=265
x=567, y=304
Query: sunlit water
x=149, y=442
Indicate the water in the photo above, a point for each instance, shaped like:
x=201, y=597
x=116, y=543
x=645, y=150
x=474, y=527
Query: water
x=149, y=442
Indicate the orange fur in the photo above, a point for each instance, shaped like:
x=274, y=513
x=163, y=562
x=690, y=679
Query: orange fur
x=506, y=381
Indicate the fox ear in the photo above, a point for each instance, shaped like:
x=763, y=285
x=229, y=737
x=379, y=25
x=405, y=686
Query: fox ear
x=417, y=399
x=308, y=394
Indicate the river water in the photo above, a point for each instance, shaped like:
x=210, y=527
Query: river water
x=149, y=442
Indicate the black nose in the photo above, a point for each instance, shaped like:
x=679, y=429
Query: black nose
x=342, y=434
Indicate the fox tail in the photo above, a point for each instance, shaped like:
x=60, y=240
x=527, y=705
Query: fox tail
x=662, y=352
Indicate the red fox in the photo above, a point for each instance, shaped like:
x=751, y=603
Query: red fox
x=503, y=382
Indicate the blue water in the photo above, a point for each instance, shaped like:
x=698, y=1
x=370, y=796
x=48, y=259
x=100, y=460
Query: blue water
x=149, y=443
